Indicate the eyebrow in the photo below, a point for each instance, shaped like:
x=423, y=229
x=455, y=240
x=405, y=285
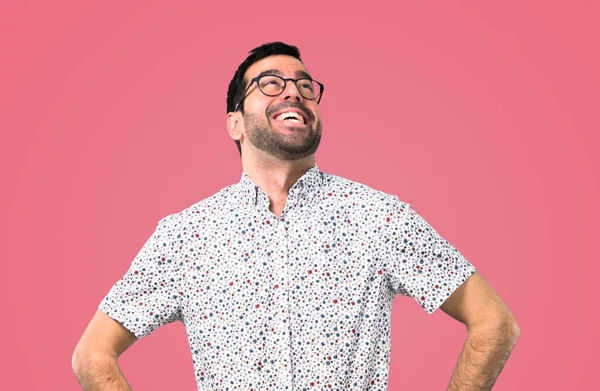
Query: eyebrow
x=277, y=72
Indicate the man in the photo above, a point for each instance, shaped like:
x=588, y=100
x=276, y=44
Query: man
x=285, y=280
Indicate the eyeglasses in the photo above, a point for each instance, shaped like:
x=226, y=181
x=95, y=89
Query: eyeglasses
x=272, y=85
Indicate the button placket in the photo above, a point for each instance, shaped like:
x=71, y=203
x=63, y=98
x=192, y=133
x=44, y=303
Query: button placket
x=275, y=359
x=283, y=302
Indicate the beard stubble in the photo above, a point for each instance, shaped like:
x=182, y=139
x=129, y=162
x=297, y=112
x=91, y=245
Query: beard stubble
x=262, y=135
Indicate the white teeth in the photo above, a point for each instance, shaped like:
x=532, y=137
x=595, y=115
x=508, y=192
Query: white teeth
x=295, y=117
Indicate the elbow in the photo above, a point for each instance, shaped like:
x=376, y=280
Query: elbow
x=87, y=360
x=84, y=362
x=508, y=325
x=507, y=329
x=501, y=327
x=88, y=366
x=79, y=362
x=514, y=330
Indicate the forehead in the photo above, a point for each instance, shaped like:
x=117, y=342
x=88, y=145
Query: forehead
x=287, y=65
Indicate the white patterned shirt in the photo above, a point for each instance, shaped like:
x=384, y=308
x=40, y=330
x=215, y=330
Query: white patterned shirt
x=296, y=302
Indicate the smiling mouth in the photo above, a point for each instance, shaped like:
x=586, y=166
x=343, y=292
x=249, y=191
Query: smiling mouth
x=290, y=124
x=290, y=116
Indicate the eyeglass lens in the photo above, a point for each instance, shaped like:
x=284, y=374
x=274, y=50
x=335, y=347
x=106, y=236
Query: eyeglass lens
x=274, y=85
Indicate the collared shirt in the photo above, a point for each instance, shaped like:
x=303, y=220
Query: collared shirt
x=296, y=302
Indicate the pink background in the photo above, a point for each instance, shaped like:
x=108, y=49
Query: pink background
x=483, y=117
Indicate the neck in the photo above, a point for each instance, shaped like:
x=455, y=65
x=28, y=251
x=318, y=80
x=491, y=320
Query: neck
x=275, y=177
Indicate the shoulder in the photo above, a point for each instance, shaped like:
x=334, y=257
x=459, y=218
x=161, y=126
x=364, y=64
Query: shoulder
x=359, y=194
x=217, y=204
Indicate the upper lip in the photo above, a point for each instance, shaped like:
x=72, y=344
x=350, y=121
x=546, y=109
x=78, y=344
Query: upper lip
x=305, y=116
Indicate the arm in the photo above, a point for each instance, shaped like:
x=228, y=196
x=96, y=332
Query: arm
x=95, y=357
x=492, y=332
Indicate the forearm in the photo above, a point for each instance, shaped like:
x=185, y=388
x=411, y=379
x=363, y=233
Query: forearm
x=484, y=354
x=100, y=374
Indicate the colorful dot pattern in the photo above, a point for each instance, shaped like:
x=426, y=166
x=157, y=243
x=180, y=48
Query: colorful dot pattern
x=296, y=302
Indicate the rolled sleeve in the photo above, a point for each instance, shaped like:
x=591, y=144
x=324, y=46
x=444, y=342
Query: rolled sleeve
x=420, y=263
x=149, y=295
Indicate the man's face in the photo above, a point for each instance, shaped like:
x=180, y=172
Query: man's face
x=264, y=124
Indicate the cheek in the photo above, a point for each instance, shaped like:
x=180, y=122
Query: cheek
x=317, y=113
x=259, y=105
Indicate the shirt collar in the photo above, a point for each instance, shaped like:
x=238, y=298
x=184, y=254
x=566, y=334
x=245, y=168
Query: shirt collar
x=302, y=191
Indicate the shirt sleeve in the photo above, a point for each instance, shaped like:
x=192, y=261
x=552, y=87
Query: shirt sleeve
x=149, y=294
x=420, y=263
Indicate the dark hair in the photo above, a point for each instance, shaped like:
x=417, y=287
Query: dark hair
x=236, y=89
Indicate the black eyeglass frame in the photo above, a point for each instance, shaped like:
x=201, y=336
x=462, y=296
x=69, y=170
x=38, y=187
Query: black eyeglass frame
x=285, y=80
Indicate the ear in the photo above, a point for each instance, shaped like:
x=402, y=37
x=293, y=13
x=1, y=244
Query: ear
x=235, y=124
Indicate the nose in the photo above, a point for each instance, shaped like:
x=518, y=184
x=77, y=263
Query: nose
x=291, y=92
